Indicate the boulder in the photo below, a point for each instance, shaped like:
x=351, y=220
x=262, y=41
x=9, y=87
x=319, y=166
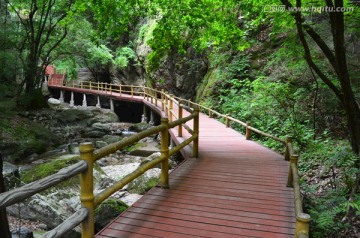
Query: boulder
x=53, y=103
x=104, y=127
x=142, y=126
x=92, y=133
x=106, y=117
x=41, y=208
x=11, y=175
x=111, y=138
x=144, y=149
x=75, y=115
x=22, y=232
x=107, y=211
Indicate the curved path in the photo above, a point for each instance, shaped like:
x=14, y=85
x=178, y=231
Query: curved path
x=235, y=188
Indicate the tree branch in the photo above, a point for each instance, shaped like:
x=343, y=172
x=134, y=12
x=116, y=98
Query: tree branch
x=315, y=36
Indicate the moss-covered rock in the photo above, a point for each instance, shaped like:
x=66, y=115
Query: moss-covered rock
x=48, y=168
x=21, y=137
x=142, y=184
x=107, y=211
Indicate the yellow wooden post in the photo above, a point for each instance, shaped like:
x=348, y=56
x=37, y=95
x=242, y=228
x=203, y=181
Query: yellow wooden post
x=171, y=102
x=87, y=189
x=162, y=100
x=81, y=84
x=287, y=152
x=156, y=99
x=196, y=132
x=293, y=160
x=227, y=122
x=166, y=105
x=132, y=91
x=90, y=84
x=151, y=97
x=164, y=176
x=179, y=117
x=170, y=109
x=302, y=225
x=248, y=131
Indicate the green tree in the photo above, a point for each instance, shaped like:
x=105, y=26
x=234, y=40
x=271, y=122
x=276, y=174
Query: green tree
x=202, y=25
x=335, y=54
x=42, y=28
x=4, y=224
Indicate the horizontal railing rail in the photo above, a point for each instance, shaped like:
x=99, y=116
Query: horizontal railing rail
x=20, y=194
x=167, y=102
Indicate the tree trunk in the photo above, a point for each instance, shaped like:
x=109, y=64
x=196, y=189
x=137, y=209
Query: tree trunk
x=4, y=224
x=337, y=59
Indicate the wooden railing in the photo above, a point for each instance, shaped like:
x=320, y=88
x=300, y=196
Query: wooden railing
x=85, y=216
x=167, y=101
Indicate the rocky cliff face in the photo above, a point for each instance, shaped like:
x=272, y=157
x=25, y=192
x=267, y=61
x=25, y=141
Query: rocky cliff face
x=178, y=74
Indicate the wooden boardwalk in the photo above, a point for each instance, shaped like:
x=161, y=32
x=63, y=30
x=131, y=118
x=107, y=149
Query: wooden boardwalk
x=236, y=188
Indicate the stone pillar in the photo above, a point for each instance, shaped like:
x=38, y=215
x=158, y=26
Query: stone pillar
x=112, y=105
x=98, y=102
x=84, y=104
x=143, y=116
x=172, y=144
x=72, y=102
x=151, y=122
x=61, y=99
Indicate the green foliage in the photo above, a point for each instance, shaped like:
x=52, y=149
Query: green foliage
x=32, y=100
x=336, y=158
x=269, y=106
x=123, y=56
x=100, y=54
x=67, y=66
x=328, y=204
x=200, y=25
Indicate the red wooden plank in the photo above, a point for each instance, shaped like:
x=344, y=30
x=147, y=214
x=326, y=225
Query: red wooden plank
x=198, y=217
x=198, y=229
x=255, y=217
x=242, y=204
x=112, y=233
x=262, y=211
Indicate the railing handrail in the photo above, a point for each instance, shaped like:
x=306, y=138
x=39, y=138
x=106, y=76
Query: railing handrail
x=20, y=194
x=302, y=219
